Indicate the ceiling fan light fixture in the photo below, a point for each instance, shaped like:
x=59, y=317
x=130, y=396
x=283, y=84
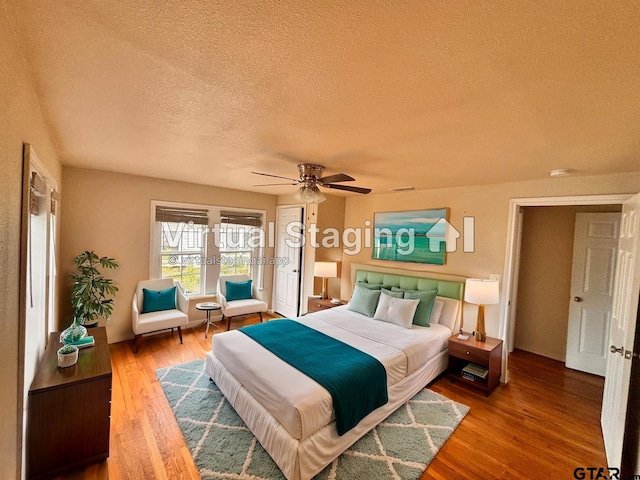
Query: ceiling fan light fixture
x=310, y=178
x=309, y=194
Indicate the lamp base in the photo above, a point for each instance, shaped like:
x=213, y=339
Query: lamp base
x=324, y=287
x=480, y=334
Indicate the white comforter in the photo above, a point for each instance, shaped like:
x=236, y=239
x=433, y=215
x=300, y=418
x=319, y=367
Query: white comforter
x=299, y=403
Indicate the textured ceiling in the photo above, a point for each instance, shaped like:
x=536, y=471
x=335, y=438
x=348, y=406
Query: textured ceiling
x=423, y=93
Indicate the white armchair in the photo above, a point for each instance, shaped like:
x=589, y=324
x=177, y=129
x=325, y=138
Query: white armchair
x=159, y=320
x=236, y=308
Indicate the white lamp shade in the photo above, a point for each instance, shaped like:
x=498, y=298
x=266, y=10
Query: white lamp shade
x=481, y=292
x=325, y=269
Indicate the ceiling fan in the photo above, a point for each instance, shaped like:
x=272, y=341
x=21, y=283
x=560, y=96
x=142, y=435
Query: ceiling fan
x=311, y=178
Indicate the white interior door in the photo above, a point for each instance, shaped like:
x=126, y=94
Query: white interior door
x=287, y=273
x=621, y=337
x=594, y=260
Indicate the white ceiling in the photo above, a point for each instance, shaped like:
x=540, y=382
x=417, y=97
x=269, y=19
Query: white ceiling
x=423, y=93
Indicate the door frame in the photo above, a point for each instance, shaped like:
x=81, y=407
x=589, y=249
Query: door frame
x=512, y=257
x=31, y=163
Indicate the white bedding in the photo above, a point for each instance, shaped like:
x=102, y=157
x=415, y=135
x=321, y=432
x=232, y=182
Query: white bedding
x=300, y=404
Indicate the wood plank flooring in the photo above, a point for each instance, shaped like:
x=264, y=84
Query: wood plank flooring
x=543, y=424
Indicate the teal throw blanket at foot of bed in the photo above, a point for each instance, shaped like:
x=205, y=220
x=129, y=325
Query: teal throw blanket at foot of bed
x=356, y=381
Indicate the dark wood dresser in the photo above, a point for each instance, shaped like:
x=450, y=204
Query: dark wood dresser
x=69, y=410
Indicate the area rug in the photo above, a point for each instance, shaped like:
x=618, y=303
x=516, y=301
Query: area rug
x=400, y=448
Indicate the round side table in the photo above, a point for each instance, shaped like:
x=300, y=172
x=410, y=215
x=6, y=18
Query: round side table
x=208, y=307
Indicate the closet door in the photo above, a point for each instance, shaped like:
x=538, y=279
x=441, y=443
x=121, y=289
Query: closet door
x=288, y=273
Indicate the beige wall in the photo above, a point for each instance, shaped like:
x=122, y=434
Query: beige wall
x=489, y=206
x=330, y=216
x=110, y=214
x=544, y=281
x=20, y=121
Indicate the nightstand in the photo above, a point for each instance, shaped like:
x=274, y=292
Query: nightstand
x=486, y=354
x=317, y=304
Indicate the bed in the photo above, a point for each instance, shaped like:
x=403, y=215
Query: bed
x=291, y=415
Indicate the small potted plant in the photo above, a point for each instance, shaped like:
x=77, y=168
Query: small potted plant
x=67, y=356
x=91, y=293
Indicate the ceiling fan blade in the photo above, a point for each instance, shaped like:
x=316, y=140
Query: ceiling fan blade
x=276, y=176
x=269, y=184
x=338, y=177
x=347, y=188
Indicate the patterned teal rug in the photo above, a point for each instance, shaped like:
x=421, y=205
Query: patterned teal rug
x=401, y=447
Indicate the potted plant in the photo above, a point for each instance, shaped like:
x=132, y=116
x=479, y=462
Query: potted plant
x=67, y=356
x=91, y=293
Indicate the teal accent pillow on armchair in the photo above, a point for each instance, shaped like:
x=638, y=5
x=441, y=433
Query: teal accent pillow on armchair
x=238, y=290
x=158, y=300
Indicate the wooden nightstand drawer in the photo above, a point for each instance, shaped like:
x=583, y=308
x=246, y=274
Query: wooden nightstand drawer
x=317, y=304
x=472, y=354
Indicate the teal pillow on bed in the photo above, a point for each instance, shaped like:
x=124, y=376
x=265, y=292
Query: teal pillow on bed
x=364, y=301
x=423, y=312
x=392, y=293
x=370, y=286
x=238, y=290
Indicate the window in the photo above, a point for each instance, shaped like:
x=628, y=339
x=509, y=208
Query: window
x=196, y=244
x=182, y=245
x=238, y=236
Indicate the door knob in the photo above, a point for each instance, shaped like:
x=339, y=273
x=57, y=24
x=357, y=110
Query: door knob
x=577, y=299
x=617, y=350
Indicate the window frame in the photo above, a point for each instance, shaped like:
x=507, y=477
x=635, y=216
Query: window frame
x=210, y=271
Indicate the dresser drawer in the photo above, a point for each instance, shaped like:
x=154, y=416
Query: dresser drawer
x=474, y=355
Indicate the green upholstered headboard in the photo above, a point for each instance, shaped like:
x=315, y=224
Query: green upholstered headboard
x=445, y=288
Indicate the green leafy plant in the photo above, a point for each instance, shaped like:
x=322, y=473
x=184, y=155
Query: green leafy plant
x=91, y=293
x=67, y=349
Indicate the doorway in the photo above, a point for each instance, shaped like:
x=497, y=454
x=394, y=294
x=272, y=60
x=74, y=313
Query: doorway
x=623, y=326
x=38, y=272
x=543, y=296
x=508, y=307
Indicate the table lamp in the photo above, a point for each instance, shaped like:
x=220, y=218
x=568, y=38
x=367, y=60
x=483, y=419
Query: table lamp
x=325, y=270
x=481, y=292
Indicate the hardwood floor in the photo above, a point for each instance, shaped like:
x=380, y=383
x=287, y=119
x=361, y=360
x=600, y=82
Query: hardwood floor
x=543, y=424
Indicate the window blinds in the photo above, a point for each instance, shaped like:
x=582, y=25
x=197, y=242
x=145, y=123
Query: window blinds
x=241, y=218
x=177, y=215
x=200, y=216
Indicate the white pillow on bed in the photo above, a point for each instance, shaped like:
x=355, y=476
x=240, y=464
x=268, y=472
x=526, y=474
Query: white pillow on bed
x=450, y=312
x=436, y=311
x=399, y=311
